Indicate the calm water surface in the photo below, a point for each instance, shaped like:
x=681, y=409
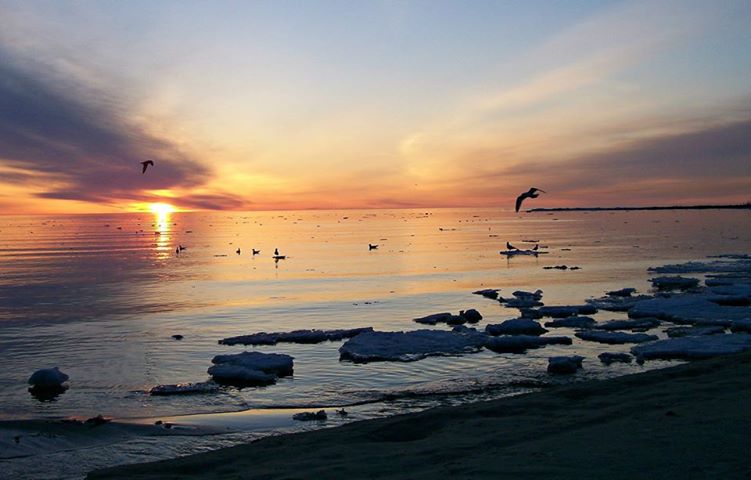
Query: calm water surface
x=100, y=296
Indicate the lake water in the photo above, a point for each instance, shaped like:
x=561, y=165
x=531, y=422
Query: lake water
x=101, y=295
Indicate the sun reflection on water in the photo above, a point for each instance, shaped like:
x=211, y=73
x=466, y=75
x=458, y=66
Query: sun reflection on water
x=163, y=226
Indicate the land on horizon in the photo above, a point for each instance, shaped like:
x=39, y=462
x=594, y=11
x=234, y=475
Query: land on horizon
x=743, y=206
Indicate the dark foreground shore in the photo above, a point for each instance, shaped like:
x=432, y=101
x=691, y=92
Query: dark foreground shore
x=688, y=421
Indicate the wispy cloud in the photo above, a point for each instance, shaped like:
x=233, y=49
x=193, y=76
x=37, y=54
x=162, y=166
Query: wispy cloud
x=81, y=141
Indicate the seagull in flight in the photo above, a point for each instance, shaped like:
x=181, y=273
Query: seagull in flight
x=146, y=165
x=531, y=193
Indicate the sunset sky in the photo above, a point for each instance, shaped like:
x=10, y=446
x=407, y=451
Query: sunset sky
x=346, y=104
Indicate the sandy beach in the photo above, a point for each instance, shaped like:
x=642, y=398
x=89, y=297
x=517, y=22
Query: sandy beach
x=687, y=421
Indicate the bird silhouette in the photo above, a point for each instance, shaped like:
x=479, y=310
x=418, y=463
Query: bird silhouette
x=238, y=251
x=531, y=193
x=146, y=165
x=372, y=247
x=510, y=247
x=256, y=252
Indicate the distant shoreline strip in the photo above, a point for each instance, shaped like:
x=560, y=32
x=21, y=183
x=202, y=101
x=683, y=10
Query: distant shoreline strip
x=745, y=206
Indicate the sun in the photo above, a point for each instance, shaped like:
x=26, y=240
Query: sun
x=162, y=208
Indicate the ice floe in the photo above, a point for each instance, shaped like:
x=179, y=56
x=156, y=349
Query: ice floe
x=615, y=303
x=252, y=368
x=516, y=326
x=409, y=346
x=614, y=338
x=530, y=313
x=565, y=365
x=631, y=324
x=693, y=331
x=563, y=311
x=513, y=253
x=295, y=336
x=689, y=309
x=537, y=294
x=522, y=343
x=446, y=317
x=688, y=348
x=310, y=416
x=725, y=264
x=488, y=293
x=240, y=375
x=277, y=363
x=674, y=283
x=48, y=378
x=184, y=388
x=572, y=322
x=527, y=302
x=471, y=315
x=607, y=358
x=623, y=292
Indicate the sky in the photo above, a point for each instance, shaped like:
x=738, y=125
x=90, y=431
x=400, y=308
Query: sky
x=282, y=105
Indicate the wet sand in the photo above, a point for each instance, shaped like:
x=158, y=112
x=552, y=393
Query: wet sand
x=687, y=421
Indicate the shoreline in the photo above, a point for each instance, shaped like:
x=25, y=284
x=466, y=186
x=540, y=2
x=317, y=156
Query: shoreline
x=745, y=206
x=688, y=420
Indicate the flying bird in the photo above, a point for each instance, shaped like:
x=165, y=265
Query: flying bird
x=372, y=247
x=531, y=193
x=256, y=252
x=146, y=165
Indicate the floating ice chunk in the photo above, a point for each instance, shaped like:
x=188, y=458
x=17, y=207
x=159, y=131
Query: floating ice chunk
x=674, y=283
x=675, y=332
x=564, y=311
x=516, y=326
x=616, y=304
x=309, y=416
x=688, y=348
x=274, y=363
x=488, y=293
x=445, y=317
x=564, y=365
x=295, y=336
x=513, y=253
x=240, y=375
x=184, y=388
x=521, y=343
x=464, y=329
x=614, y=338
x=689, y=309
x=48, y=378
x=631, y=324
x=730, y=279
x=409, y=346
x=623, y=292
x=572, y=322
x=523, y=303
x=471, y=315
x=530, y=313
x=536, y=295
x=728, y=265
x=607, y=358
